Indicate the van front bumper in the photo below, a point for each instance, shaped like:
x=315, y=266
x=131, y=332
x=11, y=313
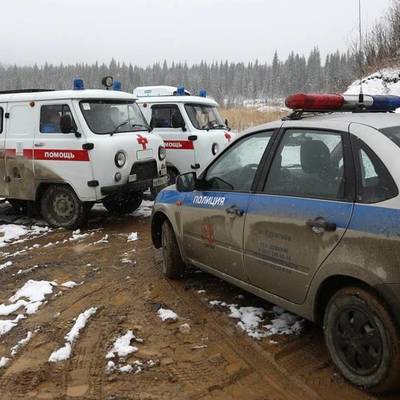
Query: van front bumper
x=140, y=186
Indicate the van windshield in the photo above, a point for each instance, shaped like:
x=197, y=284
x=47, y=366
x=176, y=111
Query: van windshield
x=111, y=116
x=204, y=117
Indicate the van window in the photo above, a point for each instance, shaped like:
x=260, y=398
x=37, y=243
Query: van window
x=50, y=117
x=166, y=116
x=1, y=119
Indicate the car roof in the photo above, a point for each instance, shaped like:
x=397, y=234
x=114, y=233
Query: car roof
x=67, y=94
x=376, y=120
x=178, y=99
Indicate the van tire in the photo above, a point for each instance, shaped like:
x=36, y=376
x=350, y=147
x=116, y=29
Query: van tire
x=61, y=207
x=173, y=266
x=363, y=339
x=123, y=203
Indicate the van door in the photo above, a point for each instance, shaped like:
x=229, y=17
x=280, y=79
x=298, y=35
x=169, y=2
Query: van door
x=167, y=121
x=3, y=183
x=59, y=157
x=19, y=178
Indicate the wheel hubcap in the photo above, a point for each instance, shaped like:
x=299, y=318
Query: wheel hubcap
x=63, y=206
x=358, y=341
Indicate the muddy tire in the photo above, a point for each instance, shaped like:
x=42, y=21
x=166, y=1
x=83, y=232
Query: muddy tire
x=363, y=340
x=172, y=265
x=61, y=207
x=123, y=203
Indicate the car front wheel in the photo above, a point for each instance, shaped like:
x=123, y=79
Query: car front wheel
x=173, y=265
x=363, y=339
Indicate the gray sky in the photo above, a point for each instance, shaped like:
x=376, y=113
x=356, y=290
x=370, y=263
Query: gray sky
x=145, y=31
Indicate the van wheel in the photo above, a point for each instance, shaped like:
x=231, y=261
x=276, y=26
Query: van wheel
x=61, y=207
x=123, y=203
x=173, y=265
x=363, y=340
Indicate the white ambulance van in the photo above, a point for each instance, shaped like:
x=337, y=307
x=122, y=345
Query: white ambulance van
x=63, y=151
x=191, y=126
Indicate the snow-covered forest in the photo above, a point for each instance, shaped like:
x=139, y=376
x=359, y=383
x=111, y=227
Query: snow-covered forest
x=227, y=82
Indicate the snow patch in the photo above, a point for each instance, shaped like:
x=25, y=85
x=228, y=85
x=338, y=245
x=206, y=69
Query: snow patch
x=77, y=235
x=4, y=361
x=6, y=265
x=167, y=315
x=132, y=237
x=122, y=347
x=259, y=323
x=70, y=284
x=64, y=352
x=12, y=232
x=21, y=343
x=144, y=210
x=7, y=324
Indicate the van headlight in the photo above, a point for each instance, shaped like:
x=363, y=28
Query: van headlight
x=120, y=159
x=214, y=149
x=162, y=153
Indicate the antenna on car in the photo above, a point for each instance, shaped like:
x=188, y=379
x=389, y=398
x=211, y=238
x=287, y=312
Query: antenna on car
x=360, y=54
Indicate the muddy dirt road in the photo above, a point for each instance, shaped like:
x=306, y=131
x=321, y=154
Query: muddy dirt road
x=209, y=351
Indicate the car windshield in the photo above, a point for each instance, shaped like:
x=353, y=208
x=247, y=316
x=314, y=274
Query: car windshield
x=111, y=116
x=204, y=117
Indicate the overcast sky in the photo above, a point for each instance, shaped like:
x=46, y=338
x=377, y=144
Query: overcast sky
x=146, y=31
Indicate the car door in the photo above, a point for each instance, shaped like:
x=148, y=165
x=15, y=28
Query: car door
x=22, y=117
x=301, y=212
x=213, y=218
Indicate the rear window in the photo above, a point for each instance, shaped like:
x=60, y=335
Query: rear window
x=393, y=133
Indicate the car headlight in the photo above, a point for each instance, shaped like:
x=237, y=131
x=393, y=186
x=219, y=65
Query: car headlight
x=215, y=148
x=120, y=159
x=162, y=153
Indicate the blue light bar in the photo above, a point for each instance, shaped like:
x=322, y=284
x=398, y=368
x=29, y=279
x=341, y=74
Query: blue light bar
x=385, y=103
x=117, y=86
x=203, y=93
x=180, y=91
x=78, y=84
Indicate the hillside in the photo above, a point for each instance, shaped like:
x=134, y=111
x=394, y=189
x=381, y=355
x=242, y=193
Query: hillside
x=384, y=81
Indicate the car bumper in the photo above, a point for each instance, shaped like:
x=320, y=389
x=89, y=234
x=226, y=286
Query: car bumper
x=139, y=186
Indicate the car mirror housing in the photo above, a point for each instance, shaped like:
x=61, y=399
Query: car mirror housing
x=186, y=182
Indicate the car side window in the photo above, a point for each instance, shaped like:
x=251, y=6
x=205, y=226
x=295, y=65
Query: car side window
x=236, y=168
x=166, y=116
x=50, y=117
x=308, y=163
x=1, y=119
x=374, y=183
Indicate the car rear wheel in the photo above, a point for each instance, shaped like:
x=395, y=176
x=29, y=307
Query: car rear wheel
x=61, y=207
x=123, y=203
x=363, y=340
x=173, y=265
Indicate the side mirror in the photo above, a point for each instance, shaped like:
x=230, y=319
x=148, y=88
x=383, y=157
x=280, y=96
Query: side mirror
x=227, y=124
x=186, y=182
x=66, y=123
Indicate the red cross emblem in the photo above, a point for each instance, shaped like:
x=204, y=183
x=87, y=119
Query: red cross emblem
x=228, y=136
x=142, y=140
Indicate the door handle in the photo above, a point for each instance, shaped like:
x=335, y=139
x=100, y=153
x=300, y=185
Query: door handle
x=321, y=223
x=40, y=144
x=234, y=210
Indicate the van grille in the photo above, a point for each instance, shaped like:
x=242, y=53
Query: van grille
x=145, y=170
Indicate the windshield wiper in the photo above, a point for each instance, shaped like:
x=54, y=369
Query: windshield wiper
x=132, y=126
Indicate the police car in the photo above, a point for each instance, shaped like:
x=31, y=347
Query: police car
x=62, y=151
x=305, y=213
x=191, y=126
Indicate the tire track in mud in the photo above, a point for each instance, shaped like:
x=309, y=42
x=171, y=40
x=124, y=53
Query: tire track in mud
x=283, y=385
